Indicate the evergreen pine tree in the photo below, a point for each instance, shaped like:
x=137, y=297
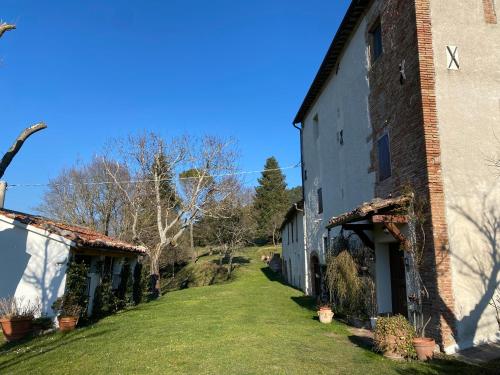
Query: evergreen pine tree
x=271, y=201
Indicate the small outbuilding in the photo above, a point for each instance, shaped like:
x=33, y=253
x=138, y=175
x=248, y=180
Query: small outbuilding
x=292, y=236
x=35, y=252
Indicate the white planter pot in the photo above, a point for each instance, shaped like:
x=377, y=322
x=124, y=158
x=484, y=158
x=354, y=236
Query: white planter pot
x=325, y=316
x=373, y=323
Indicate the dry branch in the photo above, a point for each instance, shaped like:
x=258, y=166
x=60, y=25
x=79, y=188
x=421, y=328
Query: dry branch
x=14, y=149
x=6, y=27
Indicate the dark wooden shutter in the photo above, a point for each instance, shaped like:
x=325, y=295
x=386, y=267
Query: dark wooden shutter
x=384, y=158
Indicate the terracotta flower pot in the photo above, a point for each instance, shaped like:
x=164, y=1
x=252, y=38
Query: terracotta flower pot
x=391, y=348
x=16, y=328
x=325, y=315
x=67, y=323
x=424, y=348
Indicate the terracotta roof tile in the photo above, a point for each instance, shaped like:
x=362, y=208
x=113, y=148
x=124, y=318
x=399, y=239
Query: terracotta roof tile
x=81, y=236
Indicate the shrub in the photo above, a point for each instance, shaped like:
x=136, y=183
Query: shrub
x=105, y=301
x=74, y=302
x=394, y=334
x=43, y=323
x=124, y=291
x=343, y=282
x=139, y=283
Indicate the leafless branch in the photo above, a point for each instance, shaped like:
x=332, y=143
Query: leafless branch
x=14, y=149
x=4, y=27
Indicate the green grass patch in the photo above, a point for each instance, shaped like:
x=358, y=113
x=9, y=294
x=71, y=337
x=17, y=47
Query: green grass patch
x=252, y=325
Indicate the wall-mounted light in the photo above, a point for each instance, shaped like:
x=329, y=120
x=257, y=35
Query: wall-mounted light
x=62, y=260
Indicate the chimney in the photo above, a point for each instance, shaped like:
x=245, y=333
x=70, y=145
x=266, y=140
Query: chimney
x=3, y=189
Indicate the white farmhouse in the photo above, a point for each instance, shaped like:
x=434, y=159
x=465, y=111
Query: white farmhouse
x=293, y=256
x=35, y=252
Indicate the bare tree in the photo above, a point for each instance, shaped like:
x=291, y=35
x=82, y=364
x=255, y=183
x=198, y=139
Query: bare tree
x=232, y=228
x=83, y=195
x=18, y=143
x=155, y=166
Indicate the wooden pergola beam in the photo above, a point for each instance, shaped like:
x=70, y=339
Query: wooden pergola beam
x=359, y=230
x=396, y=233
x=395, y=219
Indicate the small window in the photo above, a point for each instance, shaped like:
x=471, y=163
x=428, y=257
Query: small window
x=384, y=157
x=320, y=201
x=291, y=224
x=305, y=174
x=376, y=48
x=297, y=229
x=316, y=127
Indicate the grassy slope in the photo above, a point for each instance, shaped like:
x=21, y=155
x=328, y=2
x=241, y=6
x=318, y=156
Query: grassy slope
x=252, y=325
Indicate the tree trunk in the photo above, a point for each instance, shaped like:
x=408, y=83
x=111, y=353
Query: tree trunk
x=6, y=27
x=14, y=149
x=194, y=254
x=230, y=266
x=154, y=281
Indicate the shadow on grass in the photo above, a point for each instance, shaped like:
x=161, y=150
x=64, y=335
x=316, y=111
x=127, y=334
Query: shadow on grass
x=306, y=302
x=22, y=351
x=448, y=365
x=363, y=342
x=272, y=276
x=236, y=260
x=441, y=364
x=276, y=277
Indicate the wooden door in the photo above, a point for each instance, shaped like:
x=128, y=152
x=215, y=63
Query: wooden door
x=398, y=280
x=315, y=275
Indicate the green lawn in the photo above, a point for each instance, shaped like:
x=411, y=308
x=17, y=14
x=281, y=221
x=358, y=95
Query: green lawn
x=253, y=325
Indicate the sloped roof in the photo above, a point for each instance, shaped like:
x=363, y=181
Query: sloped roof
x=347, y=27
x=368, y=209
x=296, y=207
x=82, y=237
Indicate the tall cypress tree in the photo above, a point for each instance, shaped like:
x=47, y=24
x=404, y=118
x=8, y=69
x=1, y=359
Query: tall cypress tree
x=271, y=201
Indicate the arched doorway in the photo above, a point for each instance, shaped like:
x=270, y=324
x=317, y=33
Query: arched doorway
x=315, y=275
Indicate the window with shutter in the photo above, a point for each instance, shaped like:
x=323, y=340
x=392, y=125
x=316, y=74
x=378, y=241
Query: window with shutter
x=384, y=158
x=320, y=201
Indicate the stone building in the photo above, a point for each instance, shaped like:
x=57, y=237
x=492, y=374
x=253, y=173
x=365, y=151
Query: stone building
x=407, y=99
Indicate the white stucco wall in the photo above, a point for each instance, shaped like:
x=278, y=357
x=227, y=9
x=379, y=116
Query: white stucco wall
x=468, y=106
x=294, y=251
x=33, y=265
x=340, y=170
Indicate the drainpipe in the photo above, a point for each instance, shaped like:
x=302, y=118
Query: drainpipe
x=3, y=189
x=307, y=275
x=301, y=159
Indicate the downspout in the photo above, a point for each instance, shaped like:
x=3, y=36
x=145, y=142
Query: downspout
x=304, y=226
x=301, y=158
x=3, y=189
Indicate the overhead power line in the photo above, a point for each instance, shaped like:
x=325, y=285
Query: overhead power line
x=10, y=186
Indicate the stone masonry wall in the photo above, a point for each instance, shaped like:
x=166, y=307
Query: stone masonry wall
x=402, y=104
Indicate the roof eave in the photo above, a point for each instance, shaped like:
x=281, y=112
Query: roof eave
x=342, y=37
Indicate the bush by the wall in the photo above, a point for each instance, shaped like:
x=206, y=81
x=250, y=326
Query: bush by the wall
x=139, y=283
x=343, y=282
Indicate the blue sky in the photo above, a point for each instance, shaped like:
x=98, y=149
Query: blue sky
x=94, y=70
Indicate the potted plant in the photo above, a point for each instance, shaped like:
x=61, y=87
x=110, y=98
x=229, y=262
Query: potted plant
x=16, y=317
x=393, y=336
x=424, y=346
x=68, y=312
x=325, y=313
x=42, y=325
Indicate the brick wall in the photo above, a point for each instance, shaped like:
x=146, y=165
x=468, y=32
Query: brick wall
x=490, y=16
x=406, y=110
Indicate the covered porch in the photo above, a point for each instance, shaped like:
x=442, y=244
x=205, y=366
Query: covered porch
x=383, y=225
